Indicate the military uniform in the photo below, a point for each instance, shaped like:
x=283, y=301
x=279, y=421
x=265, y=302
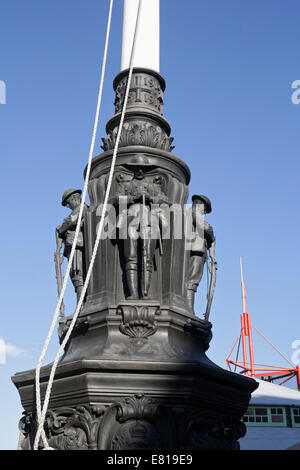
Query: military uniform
x=142, y=222
x=67, y=232
x=203, y=238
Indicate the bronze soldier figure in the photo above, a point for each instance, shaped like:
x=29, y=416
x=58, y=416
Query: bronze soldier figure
x=203, y=241
x=71, y=199
x=143, y=221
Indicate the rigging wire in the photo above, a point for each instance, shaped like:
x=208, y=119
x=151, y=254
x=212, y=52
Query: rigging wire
x=42, y=414
x=238, y=352
x=40, y=430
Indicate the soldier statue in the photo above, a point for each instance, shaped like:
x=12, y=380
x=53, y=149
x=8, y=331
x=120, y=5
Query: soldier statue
x=142, y=220
x=66, y=231
x=203, y=241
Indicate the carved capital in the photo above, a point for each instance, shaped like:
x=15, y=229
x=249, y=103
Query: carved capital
x=139, y=133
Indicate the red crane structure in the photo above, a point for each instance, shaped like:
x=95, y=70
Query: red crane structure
x=249, y=367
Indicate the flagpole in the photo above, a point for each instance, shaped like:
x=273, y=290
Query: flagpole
x=147, y=42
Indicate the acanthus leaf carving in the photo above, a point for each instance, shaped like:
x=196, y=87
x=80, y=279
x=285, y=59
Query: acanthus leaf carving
x=73, y=428
x=136, y=407
x=139, y=133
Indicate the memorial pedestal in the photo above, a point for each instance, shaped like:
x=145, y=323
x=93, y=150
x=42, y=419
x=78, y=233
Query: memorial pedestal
x=135, y=374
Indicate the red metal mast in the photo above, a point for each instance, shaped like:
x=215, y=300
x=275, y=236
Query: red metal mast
x=246, y=329
x=252, y=369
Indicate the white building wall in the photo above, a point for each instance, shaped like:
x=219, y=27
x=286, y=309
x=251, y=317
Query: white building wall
x=269, y=438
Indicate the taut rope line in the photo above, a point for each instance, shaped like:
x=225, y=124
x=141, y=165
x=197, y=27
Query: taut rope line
x=66, y=277
x=41, y=414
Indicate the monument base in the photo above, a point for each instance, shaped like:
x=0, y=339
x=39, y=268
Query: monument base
x=145, y=383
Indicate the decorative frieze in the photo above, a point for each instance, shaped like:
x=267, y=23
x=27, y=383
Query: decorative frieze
x=145, y=90
x=136, y=422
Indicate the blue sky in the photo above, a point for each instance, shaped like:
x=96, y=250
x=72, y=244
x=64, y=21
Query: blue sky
x=229, y=67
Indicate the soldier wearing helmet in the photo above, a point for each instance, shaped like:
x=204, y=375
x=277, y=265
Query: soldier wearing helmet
x=203, y=240
x=143, y=220
x=72, y=199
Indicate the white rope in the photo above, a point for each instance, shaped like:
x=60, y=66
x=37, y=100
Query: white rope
x=56, y=313
x=42, y=414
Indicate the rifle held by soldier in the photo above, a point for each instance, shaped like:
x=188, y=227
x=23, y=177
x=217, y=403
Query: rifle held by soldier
x=58, y=259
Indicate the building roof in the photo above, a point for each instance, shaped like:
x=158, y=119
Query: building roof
x=271, y=394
